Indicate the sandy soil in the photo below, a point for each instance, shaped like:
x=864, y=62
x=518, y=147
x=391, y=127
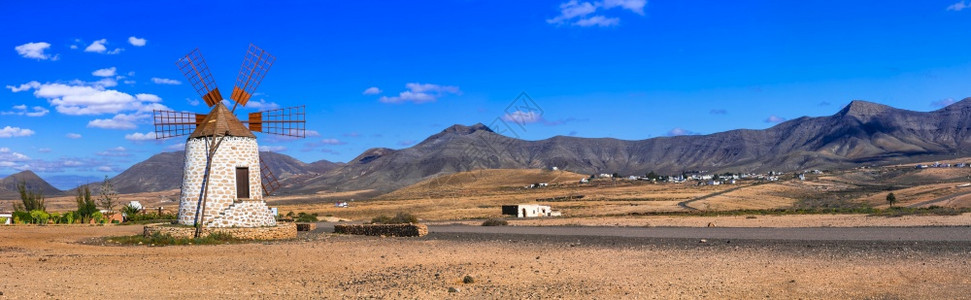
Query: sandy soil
x=49, y=263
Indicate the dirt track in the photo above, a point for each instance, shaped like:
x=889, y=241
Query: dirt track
x=49, y=263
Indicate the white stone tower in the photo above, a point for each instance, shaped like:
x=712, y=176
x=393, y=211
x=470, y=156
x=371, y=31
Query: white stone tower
x=235, y=195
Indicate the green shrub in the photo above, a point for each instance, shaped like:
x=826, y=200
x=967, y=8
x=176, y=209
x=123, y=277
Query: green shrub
x=86, y=206
x=495, y=222
x=21, y=217
x=98, y=217
x=305, y=217
x=158, y=239
x=68, y=217
x=149, y=217
x=39, y=217
x=3, y=221
x=399, y=218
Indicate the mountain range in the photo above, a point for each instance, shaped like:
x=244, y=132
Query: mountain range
x=861, y=133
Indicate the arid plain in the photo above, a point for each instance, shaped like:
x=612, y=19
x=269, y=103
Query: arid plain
x=72, y=261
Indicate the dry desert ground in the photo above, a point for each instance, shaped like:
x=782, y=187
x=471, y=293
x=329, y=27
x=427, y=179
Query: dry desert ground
x=71, y=262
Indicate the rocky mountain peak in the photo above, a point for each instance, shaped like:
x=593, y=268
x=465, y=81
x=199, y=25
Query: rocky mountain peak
x=863, y=110
x=463, y=130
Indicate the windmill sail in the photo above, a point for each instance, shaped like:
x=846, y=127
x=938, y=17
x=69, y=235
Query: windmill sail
x=251, y=73
x=290, y=121
x=175, y=123
x=196, y=71
x=270, y=182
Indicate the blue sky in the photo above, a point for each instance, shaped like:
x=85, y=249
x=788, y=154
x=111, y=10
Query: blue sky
x=81, y=79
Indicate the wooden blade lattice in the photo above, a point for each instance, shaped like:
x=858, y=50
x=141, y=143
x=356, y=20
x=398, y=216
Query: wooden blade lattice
x=196, y=71
x=255, y=65
x=175, y=123
x=270, y=182
x=290, y=121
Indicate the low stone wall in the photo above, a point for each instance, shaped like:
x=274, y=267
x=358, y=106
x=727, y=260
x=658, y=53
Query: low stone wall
x=382, y=229
x=283, y=230
x=306, y=226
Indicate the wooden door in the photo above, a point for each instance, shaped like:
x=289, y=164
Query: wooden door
x=242, y=183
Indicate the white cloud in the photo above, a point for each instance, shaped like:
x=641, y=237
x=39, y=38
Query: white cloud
x=7, y=154
x=578, y=13
x=90, y=98
x=148, y=97
x=406, y=142
x=521, y=117
x=24, y=87
x=311, y=133
x=138, y=136
x=116, y=51
x=97, y=46
x=73, y=135
x=775, y=119
x=105, y=169
x=137, y=42
x=680, y=131
x=157, y=80
x=262, y=105
x=106, y=72
x=372, y=91
x=176, y=147
x=597, y=21
x=115, y=152
x=421, y=93
x=272, y=148
x=119, y=121
x=8, y=132
x=573, y=9
x=943, y=102
x=636, y=6
x=332, y=142
x=35, y=51
x=44, y=150
x=21, y=110
x=958, y=6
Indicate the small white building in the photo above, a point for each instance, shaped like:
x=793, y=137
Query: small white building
x=529, y=210
x=8, y=219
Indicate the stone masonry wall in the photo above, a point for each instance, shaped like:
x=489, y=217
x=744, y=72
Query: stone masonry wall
x=281, y=231
x=382, y=229
x=233, y=152
x=248, y=213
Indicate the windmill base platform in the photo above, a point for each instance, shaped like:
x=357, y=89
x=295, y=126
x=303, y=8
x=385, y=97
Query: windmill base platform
x=282, y=231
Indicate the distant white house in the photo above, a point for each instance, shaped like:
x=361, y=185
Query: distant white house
x=529, y=211
x=584, y=180
x=8, y=219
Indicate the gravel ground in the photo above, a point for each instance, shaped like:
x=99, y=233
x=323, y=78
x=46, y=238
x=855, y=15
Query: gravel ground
x=50, y=262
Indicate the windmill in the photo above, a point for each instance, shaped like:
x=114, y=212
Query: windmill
x=223, y=169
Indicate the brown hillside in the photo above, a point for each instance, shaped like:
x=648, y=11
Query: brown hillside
x=469, y=182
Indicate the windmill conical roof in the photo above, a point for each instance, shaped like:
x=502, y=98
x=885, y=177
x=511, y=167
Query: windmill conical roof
x=221, y=120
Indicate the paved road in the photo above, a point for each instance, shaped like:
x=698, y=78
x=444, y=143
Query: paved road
x=962, y=234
